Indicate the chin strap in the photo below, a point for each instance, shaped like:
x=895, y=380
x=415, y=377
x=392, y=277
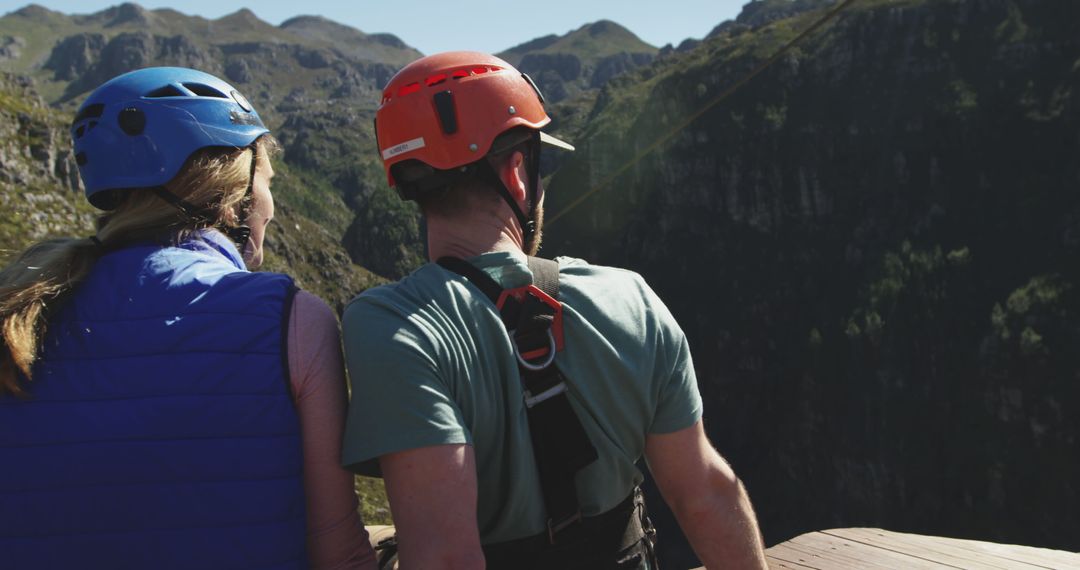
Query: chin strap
x=532, y=166
x=238, y=234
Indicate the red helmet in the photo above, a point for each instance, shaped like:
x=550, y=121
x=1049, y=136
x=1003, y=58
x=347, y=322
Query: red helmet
x=445, y=110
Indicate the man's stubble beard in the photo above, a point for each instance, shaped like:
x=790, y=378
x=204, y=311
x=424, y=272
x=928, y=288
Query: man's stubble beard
x=533, y=247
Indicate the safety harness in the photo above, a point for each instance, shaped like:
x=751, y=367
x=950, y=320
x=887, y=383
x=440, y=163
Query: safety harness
x=532, y=316
x=533, y=319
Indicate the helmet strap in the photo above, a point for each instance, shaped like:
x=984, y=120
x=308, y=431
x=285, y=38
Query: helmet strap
x=532, y=168
x=238, y=234
x=488, y=173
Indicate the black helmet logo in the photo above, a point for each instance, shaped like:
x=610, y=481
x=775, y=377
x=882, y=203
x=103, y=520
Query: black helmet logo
x=242, y=101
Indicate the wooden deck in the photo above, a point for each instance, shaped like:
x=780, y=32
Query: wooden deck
x=871, y=548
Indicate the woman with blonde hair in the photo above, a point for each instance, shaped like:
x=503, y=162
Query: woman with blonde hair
x=160, y=405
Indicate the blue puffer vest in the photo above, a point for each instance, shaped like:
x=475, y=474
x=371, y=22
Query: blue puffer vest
x=160, y=431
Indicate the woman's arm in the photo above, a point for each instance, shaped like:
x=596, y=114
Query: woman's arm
x=336, y=536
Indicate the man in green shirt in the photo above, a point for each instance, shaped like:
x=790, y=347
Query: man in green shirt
x=438, y=396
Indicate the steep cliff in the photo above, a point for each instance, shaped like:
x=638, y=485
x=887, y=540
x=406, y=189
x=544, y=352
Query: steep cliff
x=873, y=249
x=40, y=191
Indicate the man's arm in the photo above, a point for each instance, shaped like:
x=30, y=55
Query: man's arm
x=710, y=503
x=432, y=493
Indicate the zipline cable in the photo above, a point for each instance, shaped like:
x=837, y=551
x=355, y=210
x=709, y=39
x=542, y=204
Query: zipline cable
x=719, y=98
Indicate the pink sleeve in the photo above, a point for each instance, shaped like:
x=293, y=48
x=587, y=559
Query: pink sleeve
x=336, y=536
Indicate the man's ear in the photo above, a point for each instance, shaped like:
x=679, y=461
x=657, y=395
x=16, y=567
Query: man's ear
x=513, y=175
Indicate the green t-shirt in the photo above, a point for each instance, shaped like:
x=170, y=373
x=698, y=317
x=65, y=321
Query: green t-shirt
x=431, y=364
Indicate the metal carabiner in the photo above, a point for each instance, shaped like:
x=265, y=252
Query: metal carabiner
x=528, y=365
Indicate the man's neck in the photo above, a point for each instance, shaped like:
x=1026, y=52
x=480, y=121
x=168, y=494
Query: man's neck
x=472, y=236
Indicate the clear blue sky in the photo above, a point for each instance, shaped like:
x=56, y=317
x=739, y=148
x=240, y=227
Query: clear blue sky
x=485, y=25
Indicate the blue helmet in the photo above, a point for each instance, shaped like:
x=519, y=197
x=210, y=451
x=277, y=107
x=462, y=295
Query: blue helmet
x=137, y=130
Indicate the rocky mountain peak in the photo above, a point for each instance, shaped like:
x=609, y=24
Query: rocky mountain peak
x=307, y=21
x=602, y=27
x=390, y=40
x=582, y=59
x=319, y=27
x=242, y=16
x=35, y=12
x=386, y=48
x=127, y=14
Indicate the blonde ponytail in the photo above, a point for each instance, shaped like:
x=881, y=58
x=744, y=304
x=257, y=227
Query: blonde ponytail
x=38, y=278
x=42, y=277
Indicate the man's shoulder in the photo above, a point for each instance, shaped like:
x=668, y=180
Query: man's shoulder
x=578, y=266
x=578, y=273
x=408, y=289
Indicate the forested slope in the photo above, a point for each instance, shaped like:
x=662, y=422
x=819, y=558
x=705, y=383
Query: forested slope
x=873, y=249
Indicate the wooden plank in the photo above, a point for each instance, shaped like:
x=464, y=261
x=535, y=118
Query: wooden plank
x=785, y=557
x=815, y=559
x=856, y=555
x=1038, y=557
x=871, y=548
x=941, y=552
x=776, y=564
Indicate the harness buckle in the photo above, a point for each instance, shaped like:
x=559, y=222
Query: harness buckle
x=519, y=295
x=551, y=392
x=554, y=528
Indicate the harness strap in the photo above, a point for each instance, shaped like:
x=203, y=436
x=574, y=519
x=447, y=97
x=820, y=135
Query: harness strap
x=597, y=543
x=545, y=275
x=561, y=446
x=481, y=280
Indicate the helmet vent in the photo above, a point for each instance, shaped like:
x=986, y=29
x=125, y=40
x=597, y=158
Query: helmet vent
x=438, y=79
x=435, y=79
x=89, y=112
x=205, y=90
x=166, y=91
x=79, y=132
x=80, y=158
